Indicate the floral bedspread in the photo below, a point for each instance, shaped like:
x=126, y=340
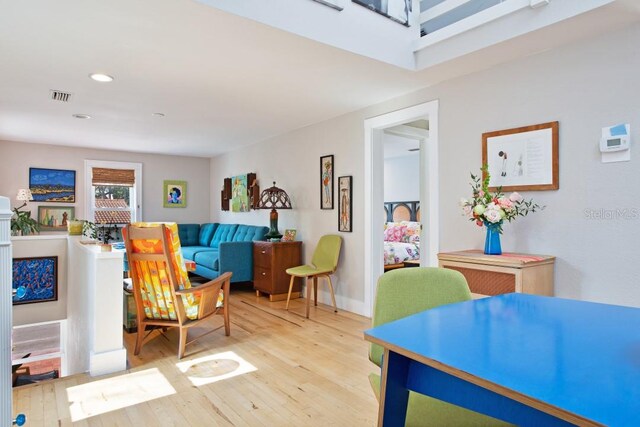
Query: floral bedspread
x=397, y=252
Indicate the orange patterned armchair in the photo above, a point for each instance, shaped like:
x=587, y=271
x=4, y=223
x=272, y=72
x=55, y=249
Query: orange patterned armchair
x=163, y=293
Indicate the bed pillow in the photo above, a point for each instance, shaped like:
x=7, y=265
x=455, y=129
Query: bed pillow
x=411, y=232
x=394, y=233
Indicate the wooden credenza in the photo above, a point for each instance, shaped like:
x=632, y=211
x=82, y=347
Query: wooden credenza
x=500, y=274
x=270, y=261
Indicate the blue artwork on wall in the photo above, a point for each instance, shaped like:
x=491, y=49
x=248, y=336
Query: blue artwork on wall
x=52, y=185
x=35, y=279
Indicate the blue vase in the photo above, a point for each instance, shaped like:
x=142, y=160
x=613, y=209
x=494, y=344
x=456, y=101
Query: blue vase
x=492, y=241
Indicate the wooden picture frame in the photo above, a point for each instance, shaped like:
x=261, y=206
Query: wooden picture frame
x=345, y=204
x=38, y=276
x=326, y=182
x=522, y=159
x=55, y=218
x=52, y=185
x=175, y=194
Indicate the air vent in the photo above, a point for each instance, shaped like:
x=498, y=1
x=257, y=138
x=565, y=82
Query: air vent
x=58, y=95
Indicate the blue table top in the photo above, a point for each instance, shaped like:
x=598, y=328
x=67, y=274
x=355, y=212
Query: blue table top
x=579, y=356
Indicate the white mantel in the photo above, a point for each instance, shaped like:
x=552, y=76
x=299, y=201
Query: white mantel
x=94, y=307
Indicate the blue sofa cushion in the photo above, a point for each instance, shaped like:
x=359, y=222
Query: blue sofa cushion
x=249, y=233
x=206, y=233
x=188, y=234
x=189, y=252
x=209, y=259
x=224, y=233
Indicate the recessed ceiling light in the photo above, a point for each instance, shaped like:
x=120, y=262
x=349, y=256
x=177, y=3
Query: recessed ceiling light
x=102, y=78
x=157, y=114
x=82, y=116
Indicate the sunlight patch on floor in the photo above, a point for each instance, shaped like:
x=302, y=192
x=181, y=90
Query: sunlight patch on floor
x=99, y=397
x=216, y=367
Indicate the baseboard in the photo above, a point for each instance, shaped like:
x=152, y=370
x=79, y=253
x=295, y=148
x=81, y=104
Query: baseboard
x=343, y=303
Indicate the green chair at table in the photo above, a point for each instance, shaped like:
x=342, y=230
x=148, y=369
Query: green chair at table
x=323, y=264
x=407, y=291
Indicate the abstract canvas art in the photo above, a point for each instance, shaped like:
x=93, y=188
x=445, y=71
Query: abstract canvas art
x=35, y=279
x=239, y=194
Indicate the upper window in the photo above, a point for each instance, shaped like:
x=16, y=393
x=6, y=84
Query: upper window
x=114, y=192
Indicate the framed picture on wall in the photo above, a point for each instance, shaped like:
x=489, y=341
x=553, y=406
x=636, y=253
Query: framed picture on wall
x=52, y=185
x=345, y=203
x=175, y=194
x=522, y=159
x=326, y=182
x=35, y=279
x=55, y=218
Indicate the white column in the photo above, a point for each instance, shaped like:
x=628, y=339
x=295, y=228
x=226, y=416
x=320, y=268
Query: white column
x=5, y=311
x=94, y=310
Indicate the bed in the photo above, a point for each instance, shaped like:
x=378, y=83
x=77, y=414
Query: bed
x=401, y=234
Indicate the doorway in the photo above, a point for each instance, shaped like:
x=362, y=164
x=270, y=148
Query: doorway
x=374, y=191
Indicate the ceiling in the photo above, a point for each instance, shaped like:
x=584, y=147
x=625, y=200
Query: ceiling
x=222, y=81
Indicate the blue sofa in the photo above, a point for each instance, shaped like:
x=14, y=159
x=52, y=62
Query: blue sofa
x=219, y=248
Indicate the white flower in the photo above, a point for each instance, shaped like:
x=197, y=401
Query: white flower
x=467, y=210
x=463, y=202
x=493, y=213
x=516, y=197
x=479, y=209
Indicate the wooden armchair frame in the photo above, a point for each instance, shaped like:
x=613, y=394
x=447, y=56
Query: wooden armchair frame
x=207, y=292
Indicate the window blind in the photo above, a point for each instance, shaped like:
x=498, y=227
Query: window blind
x=105, y=176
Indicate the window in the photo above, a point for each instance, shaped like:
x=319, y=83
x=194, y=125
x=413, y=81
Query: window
x=113, y=192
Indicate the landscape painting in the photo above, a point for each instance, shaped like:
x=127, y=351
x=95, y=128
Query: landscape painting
x=52, y=185
x=35, y=279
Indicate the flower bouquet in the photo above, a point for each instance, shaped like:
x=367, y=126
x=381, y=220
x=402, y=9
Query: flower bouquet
x=492, y=209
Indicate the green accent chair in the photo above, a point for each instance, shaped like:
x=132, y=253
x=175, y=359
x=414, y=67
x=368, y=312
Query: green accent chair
x=323, y=264
x=407, y=291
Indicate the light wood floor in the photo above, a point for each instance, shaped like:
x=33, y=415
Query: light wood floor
x=276, y=369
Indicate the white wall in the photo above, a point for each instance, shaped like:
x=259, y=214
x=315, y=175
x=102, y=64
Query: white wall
x=584, y=86
x=402, y=178
x=35, y=246
x=16, y=158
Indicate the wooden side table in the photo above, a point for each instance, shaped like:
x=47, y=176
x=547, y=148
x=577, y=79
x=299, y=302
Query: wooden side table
x=499, y=274
x=270, y=261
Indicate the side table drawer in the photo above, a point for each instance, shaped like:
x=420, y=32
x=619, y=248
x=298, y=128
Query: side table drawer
x=262, y=255
x=262, y=279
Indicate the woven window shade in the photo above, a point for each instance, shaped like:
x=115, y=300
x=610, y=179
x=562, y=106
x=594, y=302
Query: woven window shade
x=104, y=176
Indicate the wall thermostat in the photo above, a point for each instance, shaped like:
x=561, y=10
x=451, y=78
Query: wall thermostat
x=614, y=143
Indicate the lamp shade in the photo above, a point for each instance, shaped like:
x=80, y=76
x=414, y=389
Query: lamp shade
x=274, y=198
x=24, y=195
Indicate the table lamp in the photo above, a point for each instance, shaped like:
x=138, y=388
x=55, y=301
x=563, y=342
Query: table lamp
x=24, y=195
x=274, y=198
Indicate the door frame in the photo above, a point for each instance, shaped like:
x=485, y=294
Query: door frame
x=374, y=191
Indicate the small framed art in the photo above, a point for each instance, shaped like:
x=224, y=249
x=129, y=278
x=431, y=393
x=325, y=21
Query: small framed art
x=326, y=182
x=345, y=203
x=289, y=236
x=55, y=218
x=175, y=194
x=38, y=276
x=522, y=159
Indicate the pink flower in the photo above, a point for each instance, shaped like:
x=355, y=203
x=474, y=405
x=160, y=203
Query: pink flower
x=480, y=193
x=479, y=223
x=505, y=203
x=468, y=211
x=516, y=197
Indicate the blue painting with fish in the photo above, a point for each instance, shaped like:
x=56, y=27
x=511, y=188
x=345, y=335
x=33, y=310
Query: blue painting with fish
x=35, y=279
